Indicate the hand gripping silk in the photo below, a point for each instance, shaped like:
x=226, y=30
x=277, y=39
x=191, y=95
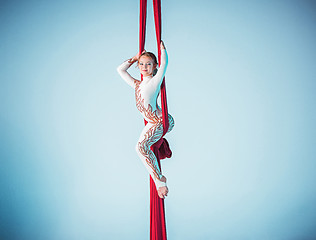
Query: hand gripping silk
x=161, y=148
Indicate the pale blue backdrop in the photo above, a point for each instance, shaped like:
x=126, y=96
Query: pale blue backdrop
x=241, y=87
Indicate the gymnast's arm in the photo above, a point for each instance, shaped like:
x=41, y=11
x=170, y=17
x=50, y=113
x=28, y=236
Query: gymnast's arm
x=122, y=70
x=163, y=66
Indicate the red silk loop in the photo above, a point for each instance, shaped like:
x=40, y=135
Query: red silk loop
x=161, y=148
x=164, y=150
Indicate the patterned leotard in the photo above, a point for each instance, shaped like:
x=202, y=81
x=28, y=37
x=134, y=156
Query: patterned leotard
x=146, y=94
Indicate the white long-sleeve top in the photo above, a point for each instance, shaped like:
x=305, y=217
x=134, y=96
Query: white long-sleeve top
x=146, y=91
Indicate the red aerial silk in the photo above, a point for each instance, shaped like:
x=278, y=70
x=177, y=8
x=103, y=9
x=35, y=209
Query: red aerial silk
x=161, y=148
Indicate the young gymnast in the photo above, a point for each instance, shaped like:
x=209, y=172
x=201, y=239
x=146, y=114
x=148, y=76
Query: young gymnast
x=146, y=93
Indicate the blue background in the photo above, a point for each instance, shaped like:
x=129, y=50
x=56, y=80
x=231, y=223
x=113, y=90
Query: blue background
x=241, y=87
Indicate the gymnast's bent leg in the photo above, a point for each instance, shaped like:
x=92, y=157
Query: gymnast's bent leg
x=150, y=135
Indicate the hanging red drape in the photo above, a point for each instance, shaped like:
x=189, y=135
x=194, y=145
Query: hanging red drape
x=161, y=148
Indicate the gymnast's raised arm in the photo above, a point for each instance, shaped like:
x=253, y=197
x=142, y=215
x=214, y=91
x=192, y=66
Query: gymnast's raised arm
x=163, y=66
x=122, y=70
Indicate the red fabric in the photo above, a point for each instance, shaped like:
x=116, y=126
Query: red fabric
x=157, y=15
x=161, y=148
x=164, y=149
x=142, y=25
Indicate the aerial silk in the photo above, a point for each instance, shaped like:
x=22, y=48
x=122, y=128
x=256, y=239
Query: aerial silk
x=161, y=148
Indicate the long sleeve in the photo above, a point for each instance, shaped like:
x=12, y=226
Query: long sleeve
x=162, y=69
x=122, y=70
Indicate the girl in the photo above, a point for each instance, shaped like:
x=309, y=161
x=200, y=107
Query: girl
x=146, y=93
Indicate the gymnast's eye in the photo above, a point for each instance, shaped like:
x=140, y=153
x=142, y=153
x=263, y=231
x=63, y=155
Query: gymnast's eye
x=140, y=63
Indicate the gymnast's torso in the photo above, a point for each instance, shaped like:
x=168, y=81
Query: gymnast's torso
x=146, y=97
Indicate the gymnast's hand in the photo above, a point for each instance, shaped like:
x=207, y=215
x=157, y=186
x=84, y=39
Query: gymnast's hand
x=162, y=45
x=163, y=191
x=135, y=58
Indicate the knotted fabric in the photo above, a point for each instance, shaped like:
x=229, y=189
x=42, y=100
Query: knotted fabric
x=161, y=148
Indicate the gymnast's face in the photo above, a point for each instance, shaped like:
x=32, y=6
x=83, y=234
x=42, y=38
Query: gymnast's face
x=146, y=66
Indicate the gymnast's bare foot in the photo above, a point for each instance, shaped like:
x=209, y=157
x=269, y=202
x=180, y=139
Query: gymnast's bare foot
x=163, y=191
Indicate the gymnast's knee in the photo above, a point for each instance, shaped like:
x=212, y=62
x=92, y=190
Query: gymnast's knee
x=140, y=148
x=137, y=147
